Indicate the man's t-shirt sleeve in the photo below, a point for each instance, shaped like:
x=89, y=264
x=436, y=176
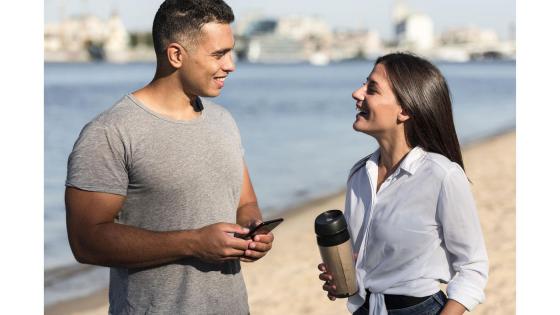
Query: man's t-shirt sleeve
x=97, y=162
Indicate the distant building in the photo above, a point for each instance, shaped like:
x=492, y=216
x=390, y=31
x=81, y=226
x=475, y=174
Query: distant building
x=413, y=31
x=290, y=39
x=301, y=39
x=467, y=43
x=466, y=35
x=304, y=28
x=117, y=39
x=87, y=37
x=361, y=44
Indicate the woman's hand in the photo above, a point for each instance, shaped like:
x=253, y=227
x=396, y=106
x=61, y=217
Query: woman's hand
x=327, y=277
x=453, y=307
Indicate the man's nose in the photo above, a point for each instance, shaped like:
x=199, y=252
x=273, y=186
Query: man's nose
x=229, y=64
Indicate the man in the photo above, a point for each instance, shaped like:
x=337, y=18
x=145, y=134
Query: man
x=156, y=182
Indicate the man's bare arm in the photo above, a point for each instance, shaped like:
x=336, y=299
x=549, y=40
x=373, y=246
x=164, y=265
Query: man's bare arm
x=249, y=214
x=96, y=239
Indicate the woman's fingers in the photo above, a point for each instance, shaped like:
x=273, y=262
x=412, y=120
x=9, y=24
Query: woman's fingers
x=325, y=276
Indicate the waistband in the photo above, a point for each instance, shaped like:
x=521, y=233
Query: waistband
x=393, y=301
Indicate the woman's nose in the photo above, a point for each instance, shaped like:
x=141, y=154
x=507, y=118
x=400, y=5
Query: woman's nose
x=358, y=94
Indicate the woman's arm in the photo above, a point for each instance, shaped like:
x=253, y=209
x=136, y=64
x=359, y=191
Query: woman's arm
x=453, y=307
x=462, y=236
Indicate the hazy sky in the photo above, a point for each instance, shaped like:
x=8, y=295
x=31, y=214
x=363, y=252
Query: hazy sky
x=138, y=14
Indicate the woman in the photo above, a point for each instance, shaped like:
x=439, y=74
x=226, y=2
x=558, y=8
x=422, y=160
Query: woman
x=409, y=208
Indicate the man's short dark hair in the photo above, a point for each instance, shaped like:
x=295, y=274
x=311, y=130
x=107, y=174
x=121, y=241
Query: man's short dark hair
x=180, y=21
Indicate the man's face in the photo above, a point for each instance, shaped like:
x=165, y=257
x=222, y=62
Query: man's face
x=208, y=63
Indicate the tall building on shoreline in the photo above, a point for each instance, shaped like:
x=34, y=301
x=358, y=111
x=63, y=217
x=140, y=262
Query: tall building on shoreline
x=413, y=31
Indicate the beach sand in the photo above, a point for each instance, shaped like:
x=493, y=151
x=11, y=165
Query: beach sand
x=286, y=280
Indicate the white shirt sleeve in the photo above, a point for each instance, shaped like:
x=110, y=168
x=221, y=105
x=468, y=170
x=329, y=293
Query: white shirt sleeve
x=456, y=211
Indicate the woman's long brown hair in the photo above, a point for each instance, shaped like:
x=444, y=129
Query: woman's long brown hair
x=422, y=92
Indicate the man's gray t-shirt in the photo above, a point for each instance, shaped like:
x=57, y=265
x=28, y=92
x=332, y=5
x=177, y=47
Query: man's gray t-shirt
x=176, y=175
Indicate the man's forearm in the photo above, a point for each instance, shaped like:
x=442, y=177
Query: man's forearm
x=248, y=213
x=118, y=245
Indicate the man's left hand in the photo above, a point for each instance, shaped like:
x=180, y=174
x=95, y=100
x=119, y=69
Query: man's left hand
x=259, y=247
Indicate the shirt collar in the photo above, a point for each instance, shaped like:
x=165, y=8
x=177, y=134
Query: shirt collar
x=410, y=163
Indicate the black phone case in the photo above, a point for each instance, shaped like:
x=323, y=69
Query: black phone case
x=263, y=228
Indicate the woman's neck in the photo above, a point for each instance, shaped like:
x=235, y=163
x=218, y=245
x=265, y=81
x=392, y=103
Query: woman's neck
x=393, y=150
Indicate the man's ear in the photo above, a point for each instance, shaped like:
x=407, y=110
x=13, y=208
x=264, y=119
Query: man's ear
x=403, y=116
x=175, y=55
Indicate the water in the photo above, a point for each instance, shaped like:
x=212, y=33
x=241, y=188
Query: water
x=295, y=121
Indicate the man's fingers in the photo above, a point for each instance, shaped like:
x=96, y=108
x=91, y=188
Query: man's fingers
x=235, y=253
x=236, y=243
x=233, y=228
x=254, y=254
x=264, y=238
x=260, y=247
x=322, y=267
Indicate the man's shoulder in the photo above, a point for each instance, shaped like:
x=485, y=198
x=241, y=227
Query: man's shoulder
x=213, y=107
x=120, y=116
x=120, y=112
x=215, y=110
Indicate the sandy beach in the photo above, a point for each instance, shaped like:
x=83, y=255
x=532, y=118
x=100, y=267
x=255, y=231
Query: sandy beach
x=286, y=280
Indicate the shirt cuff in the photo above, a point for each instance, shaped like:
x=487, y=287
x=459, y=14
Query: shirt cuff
x=469, y=297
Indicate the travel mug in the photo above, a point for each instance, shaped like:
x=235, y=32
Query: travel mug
x=335, y=246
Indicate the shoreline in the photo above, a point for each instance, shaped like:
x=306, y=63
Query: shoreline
x=300, y=217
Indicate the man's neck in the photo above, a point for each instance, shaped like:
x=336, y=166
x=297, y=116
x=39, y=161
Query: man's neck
x=165, y=96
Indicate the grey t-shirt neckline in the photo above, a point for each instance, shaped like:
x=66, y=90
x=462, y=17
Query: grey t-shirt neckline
x=162, y=117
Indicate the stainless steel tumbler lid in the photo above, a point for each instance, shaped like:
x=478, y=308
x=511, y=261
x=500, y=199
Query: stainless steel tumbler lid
x=329, y=223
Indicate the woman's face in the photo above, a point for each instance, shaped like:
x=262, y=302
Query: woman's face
x=378, y=110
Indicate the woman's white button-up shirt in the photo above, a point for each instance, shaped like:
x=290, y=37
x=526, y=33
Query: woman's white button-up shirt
x=421, y=228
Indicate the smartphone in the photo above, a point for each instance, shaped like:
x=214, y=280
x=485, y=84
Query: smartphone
x=262, y=228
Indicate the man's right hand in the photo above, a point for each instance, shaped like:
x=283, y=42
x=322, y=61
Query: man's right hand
x=215, y=243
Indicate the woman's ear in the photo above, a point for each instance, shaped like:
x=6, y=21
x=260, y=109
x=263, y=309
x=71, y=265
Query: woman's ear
x=175, y=55
x=403, y=116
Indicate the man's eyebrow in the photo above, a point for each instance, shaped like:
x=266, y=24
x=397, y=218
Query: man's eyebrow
x=223, y=51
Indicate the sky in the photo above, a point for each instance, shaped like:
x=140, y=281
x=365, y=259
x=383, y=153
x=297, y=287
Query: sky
x=498, y=15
